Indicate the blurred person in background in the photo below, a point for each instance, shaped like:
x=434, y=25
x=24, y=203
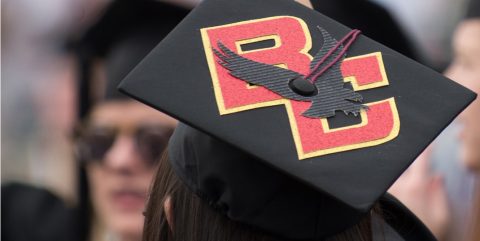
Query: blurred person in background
x=38, y=91
x=430, y=25
x=418, y=181
x=465, y=69
x=118, y=140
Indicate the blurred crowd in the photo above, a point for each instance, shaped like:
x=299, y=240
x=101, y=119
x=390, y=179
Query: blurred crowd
x=53, y=122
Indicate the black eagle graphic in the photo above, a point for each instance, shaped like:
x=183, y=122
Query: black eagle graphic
x=323, y=86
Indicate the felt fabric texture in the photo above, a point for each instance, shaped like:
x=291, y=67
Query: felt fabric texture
x=252, y=155
x=330, y=94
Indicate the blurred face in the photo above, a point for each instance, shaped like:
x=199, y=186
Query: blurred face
x=125, y=141
x=465, y=69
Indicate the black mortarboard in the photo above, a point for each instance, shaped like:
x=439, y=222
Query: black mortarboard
x=473, y=9
x=283, y=149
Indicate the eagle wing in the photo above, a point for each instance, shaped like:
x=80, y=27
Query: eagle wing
x=333, y=95
x=273, y=78
x=328, y=43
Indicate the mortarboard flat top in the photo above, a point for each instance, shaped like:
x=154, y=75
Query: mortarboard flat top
x=214, y=72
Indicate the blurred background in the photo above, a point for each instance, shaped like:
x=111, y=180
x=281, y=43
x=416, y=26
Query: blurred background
x=39, y=90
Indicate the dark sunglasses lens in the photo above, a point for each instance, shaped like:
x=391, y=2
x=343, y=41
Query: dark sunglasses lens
x=152, y=141
x=96, y=142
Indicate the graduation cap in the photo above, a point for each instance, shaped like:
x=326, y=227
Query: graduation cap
x=293, y=123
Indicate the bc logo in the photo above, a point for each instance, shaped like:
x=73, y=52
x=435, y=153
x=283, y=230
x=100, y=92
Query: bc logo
x=292, y=43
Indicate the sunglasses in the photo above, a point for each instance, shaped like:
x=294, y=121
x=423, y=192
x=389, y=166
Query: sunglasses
x=93, y=142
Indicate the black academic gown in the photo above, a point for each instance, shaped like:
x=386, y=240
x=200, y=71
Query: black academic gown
x=35, y=214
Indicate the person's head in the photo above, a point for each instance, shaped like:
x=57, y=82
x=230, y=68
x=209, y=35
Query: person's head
x=121, y=140
x=465, y=69
x=278, y=160
x=175, y=213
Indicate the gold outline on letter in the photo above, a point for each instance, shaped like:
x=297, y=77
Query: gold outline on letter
x=276, y=38
x=211, y=64
x=304, y=155
x=293, y=124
